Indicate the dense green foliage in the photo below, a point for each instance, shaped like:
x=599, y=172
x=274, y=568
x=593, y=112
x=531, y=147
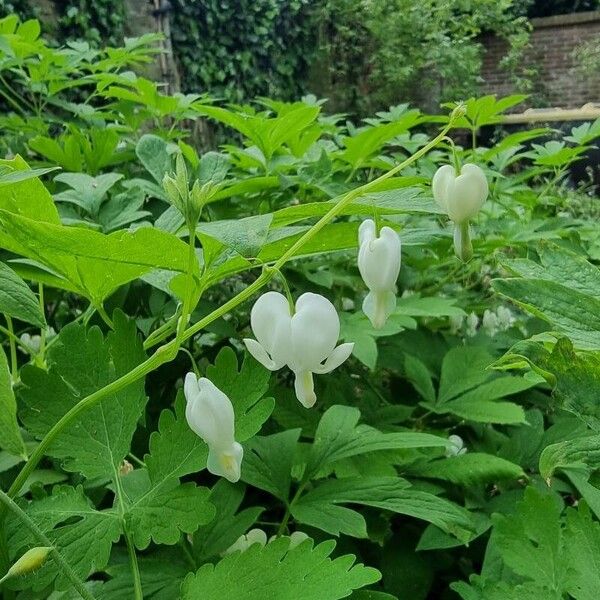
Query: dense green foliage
x=110, y=294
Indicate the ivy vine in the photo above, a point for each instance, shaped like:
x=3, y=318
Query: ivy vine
x=244, y=48
x=99, y=22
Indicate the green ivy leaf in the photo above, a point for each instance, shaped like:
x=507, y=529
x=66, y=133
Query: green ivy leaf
x=80, y=363
x=274, y=571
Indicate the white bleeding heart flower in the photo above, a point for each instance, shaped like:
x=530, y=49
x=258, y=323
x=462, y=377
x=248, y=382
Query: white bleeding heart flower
x=254, y=536
x=460, y=196
x=455, y=447
x=210, y=415
x=305, y=341
x=379, y=260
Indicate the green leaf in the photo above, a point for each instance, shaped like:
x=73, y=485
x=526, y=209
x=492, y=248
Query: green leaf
x=318, y=507
x=471, y=469
x=158, y=506
x=154, y=154
x=95, y=263
x=464, y=368
x=245, y=388
x=80, y=363
x=529, y=541
x=579, y=452
x=502, y=413
x=160, y=511
x=574, y=377
x=246, y=236
x=274, y=571
x=82, y=534
x=571, y=312
x=17, y=300
x=268, y=462
x=228, y=525
x=10, y=434
x=338, y=436
x=175, y=450
x=86, y=191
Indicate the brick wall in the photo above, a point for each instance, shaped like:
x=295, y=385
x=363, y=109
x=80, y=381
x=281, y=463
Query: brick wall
x=552, y=41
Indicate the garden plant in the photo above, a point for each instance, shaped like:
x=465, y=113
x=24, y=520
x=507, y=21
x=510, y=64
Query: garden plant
x=325, y=359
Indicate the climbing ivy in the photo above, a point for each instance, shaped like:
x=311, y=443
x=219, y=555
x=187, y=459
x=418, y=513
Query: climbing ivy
x=99, y=22
x=245, y=48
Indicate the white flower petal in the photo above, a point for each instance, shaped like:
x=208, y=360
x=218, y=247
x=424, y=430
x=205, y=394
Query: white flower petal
x=260, y=354
x=315, y=329
x=305, y=388
x=366, y=231
x=379, y=261
x=336, y=358
x=270, y=321
x=378, y=306
x=225, y=462
x=441, y=183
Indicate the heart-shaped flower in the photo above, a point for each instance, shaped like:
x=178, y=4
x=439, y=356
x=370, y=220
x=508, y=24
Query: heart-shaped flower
x=305, y=341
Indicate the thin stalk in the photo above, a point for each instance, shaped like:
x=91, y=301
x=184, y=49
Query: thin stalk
x=167, y=352
x=133, y=561
x=102, y=312
x=61, y=563
x=43, y=329
x=14, y=366
x=9, y=334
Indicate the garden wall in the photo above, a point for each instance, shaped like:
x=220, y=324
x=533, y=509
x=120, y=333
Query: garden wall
x=552, y=43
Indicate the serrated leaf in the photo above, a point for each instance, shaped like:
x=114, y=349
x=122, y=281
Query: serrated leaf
x=579, y=452
x=245, y=388
x=160, y=511
x=274, y=571
x=154, y=155
x=81, y=362
x=17, y=300
x=464, y=368
x=386, y=493
x=338, y=436
x=471, y=469
x=10, y=434
x=94, y=263
x=175, y=450
x=228, y=525
x=268, y=462
x=83, y=535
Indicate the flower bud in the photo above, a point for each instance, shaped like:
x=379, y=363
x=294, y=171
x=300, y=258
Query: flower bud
x=210, y=415
x=455, y=447
x=305, y=341
x=32, y=560
x=379, y=265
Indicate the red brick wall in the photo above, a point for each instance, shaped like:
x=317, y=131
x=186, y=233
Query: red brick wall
x=552, y=41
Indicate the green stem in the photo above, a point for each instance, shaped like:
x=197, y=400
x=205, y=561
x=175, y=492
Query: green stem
x=160, y=334
x=61, y=563
x=9, y=334
x=14, y=366
x=133, y=561
x=43, y=329
x=102, y=312
x=167, y=352
x=189, y=292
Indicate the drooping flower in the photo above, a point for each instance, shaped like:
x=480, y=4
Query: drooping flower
x=455, y=447
x=460, y=196
x=305, y=341
x=379, y=265
x=210, y=415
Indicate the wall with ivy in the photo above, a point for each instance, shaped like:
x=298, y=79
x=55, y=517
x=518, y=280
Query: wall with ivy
x=240, y=49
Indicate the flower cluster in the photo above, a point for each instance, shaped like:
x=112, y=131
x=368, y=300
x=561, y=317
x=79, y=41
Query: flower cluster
x=304, y=337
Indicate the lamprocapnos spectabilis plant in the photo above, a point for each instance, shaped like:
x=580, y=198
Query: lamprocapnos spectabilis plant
x=221, y=369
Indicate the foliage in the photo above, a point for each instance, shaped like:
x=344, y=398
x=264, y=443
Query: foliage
x=377, y=52
x=457, y=448
x=243, y=49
